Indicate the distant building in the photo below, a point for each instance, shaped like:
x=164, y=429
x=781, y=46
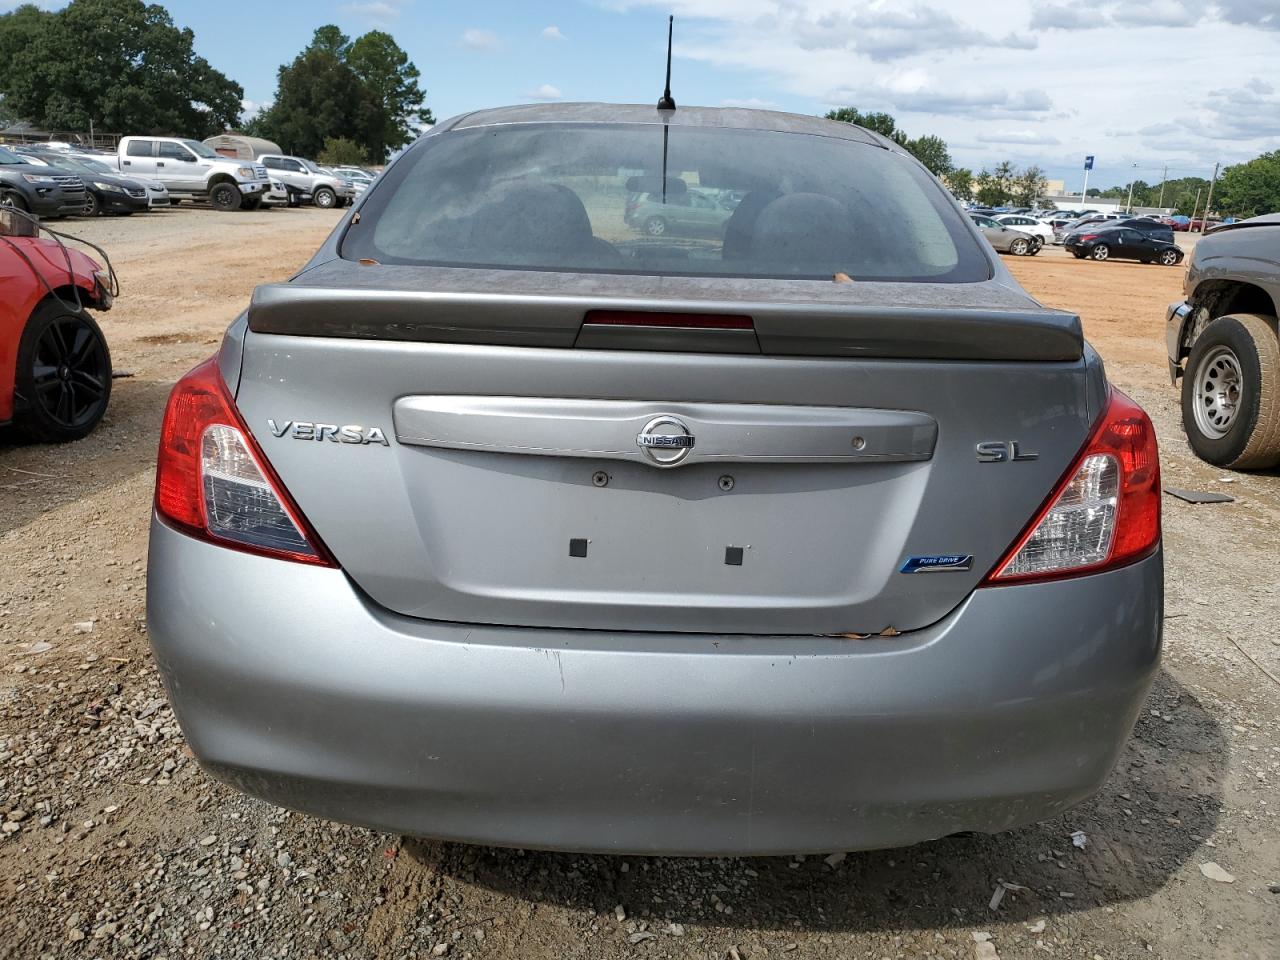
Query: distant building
x=1071, y=201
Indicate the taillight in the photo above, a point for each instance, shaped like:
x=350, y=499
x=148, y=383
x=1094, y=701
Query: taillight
x=1106, y=510
x=1088, y=236
x=212, y=481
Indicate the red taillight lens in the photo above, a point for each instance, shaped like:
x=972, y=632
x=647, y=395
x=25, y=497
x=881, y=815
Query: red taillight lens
x=1087, y=236
x=213, y=482
x=1106, y=510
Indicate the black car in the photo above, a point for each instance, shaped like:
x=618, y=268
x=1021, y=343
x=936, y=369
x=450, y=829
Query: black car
x=41, y=190
x=107, y=191
x=1152, y=228
x=1123, y=242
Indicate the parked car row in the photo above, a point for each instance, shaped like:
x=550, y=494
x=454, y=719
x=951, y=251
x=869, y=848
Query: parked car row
x=149, y=172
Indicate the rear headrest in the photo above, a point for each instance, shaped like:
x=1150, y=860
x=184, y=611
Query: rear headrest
x=531, y=219
x=802, y=229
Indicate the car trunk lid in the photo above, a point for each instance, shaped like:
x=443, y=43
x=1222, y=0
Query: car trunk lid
x=824, y=481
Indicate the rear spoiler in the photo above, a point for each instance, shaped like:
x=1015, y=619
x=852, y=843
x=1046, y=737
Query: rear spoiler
x=776, y=328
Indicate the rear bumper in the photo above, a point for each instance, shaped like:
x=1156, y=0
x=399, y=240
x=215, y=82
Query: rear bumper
x=292, y=687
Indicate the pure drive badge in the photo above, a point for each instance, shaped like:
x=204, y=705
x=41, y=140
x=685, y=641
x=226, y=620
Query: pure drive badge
x=940, y=563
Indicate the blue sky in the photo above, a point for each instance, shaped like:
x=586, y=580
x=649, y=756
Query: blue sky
x=1146, y=82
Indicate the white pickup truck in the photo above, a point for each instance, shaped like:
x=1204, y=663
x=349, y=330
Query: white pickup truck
x=191, y=171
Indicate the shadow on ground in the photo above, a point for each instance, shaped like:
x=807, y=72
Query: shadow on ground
x=1164, y=794
x=36, y=478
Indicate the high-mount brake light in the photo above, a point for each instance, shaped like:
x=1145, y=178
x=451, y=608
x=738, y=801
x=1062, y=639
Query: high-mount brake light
x=213, y=483
x=1104, y=513
x=685, y=321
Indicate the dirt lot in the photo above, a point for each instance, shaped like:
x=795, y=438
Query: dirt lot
x=116, y=845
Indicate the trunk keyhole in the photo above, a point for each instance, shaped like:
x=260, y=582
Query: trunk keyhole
x=726, y=483
x=600, y=478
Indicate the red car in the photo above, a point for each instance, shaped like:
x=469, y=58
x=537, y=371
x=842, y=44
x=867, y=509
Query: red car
x=55, y=369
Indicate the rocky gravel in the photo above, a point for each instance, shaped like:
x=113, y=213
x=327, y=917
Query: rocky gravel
x=115, y=844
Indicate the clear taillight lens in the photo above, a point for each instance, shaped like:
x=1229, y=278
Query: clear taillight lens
x=1078, y=530
x=239, y=503
x=1105, y=512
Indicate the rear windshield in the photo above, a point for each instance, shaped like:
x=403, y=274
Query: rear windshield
x=587, y=198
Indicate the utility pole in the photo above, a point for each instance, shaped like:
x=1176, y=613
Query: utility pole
x=1163, y=177
x=1195, y=206
x=1209, y=200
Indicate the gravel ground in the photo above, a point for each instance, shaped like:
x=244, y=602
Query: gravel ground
x=115, y=844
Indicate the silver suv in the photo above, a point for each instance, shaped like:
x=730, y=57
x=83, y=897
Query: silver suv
x=326, y=189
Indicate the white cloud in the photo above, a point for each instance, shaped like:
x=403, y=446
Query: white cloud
x=476, y=39
x=998, y=79
x=544, y=91
x=1257, y=13
x=376, y=11
x=1026, y=138
x=552, y=33
x=251, y=108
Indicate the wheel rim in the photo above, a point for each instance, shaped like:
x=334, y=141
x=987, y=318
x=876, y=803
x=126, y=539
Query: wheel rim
x=1101, y=253
x=1168, y=258
x=656, y=228
x=222, y=196
x=90, y=205
x=1217, y=399
x=71, y=374
x=1019, y=247
x=324, y=199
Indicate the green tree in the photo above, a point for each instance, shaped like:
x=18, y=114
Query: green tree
x=341, y=152
x=391, y=80
x=1029, y=185
x=364, y=91
x=930, y=150
x=120, y=65
x=318, y=96
x=881, y=123
x=960, y=182
x=1250, y=189
x=990, y=190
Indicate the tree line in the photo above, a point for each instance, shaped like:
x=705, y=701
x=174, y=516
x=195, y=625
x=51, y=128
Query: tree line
x=123, y=66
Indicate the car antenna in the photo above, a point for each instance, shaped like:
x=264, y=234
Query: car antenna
x=665, y=102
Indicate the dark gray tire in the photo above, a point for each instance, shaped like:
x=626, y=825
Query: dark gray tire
x=1231, y=393
x=325, y=198
x=251, y=203
x=225, y=197
x=92, y=208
